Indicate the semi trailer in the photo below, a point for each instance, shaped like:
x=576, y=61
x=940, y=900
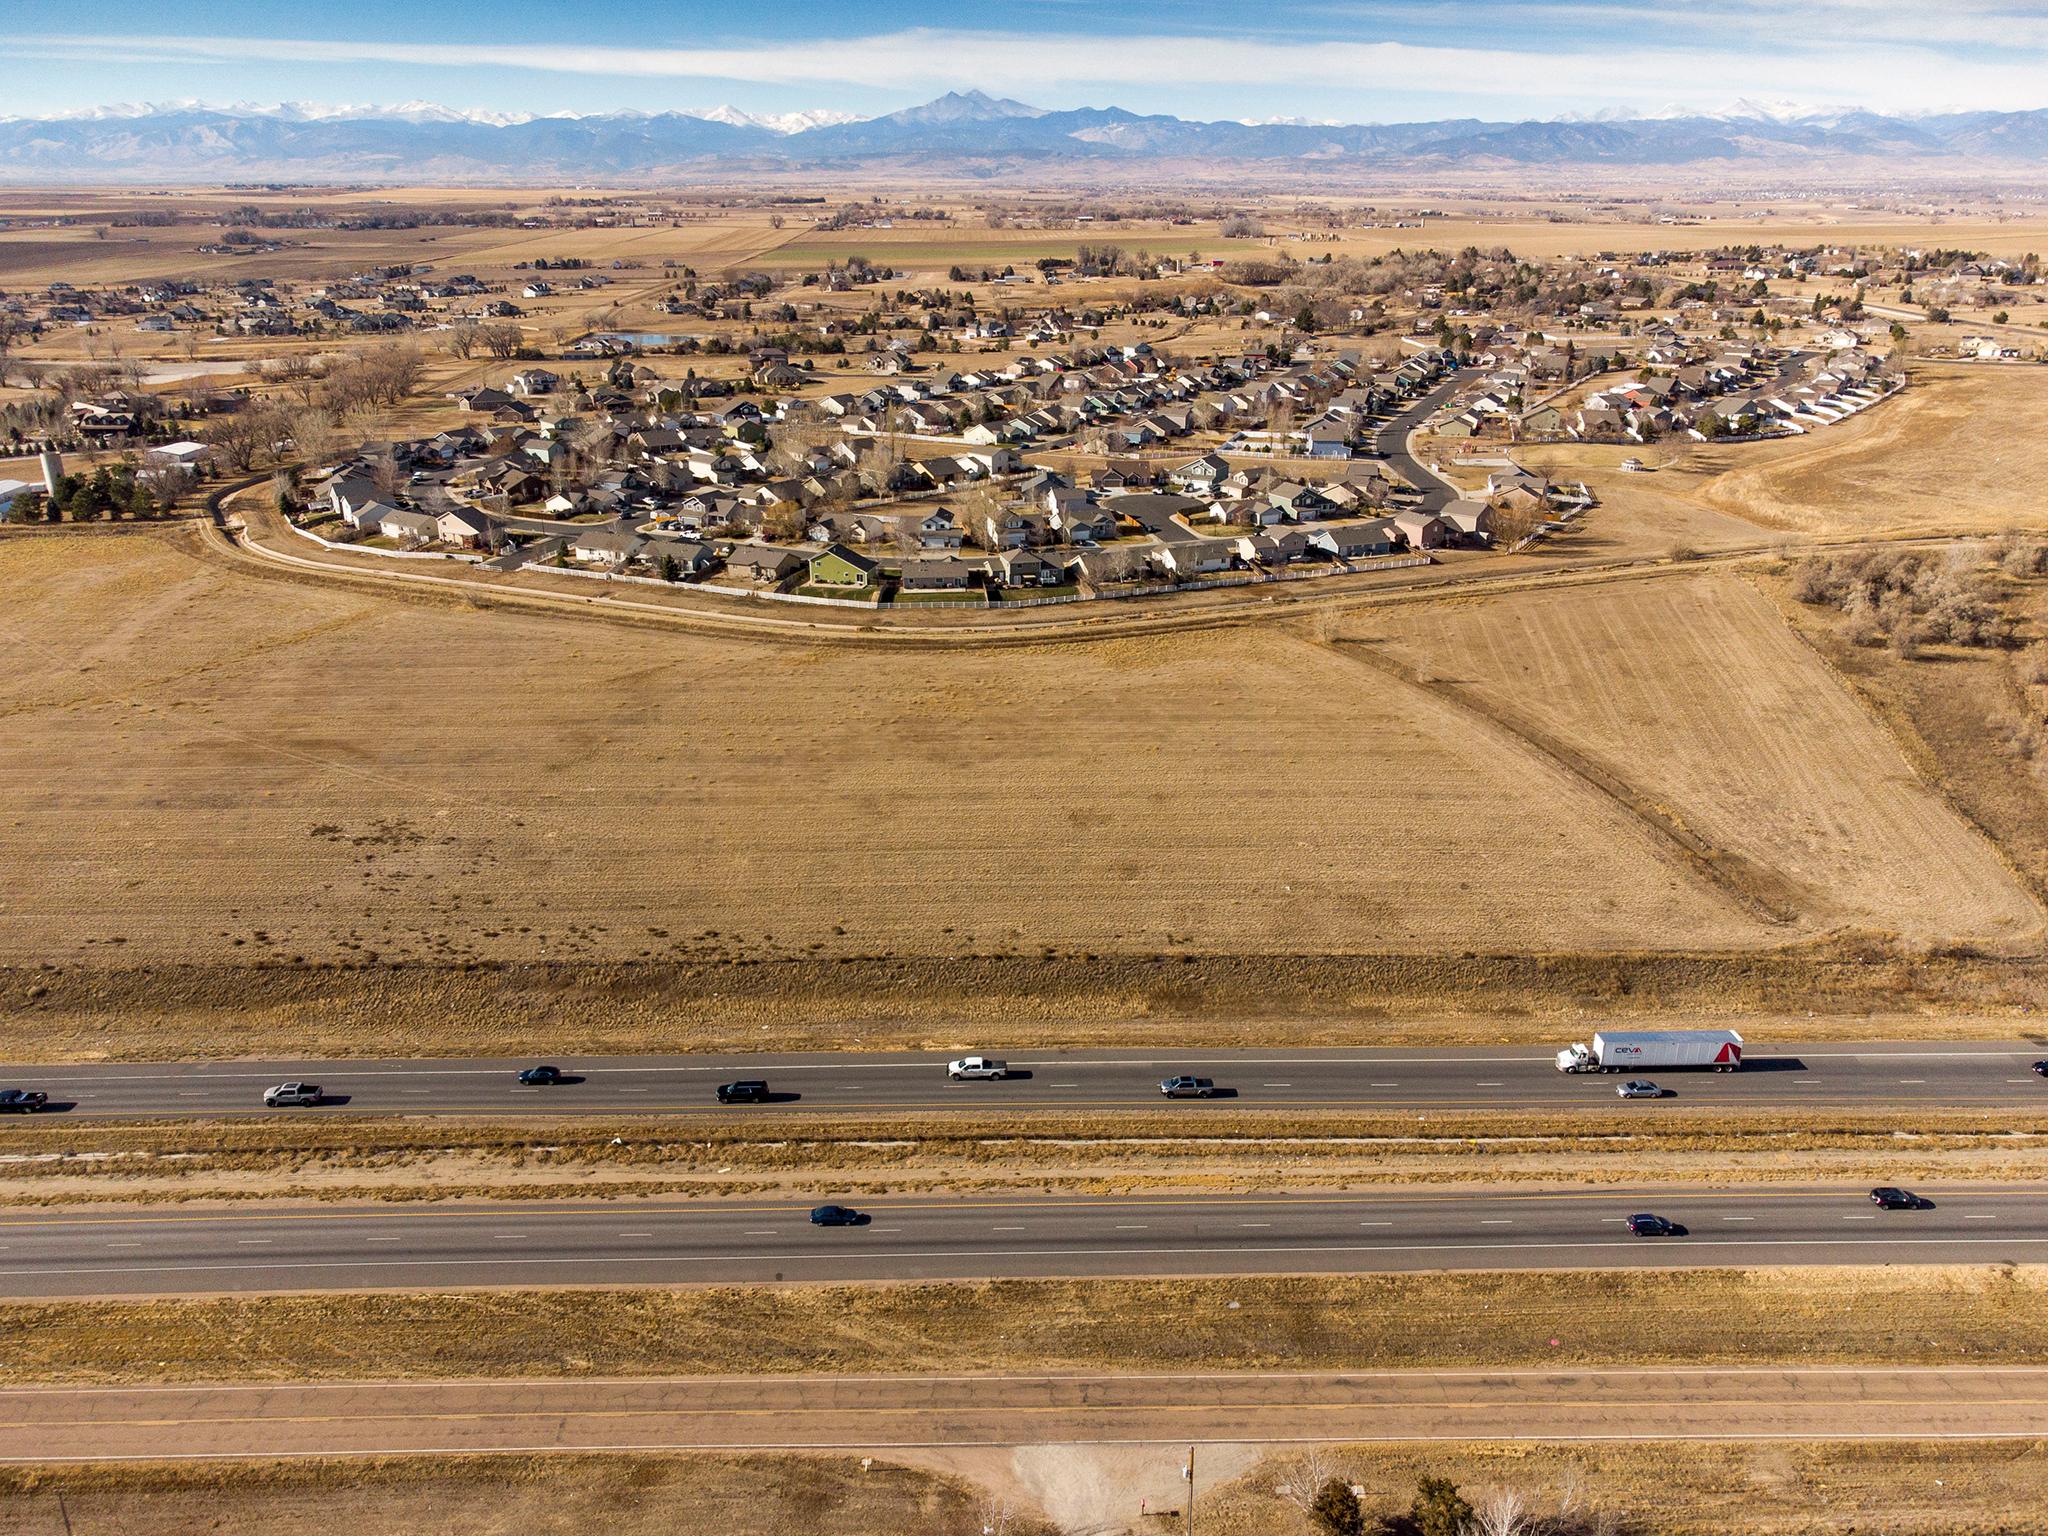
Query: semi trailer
x=1718, y=1050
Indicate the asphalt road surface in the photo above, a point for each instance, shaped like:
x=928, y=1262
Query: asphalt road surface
x=272, y=1248
x=882, y=1413
x=1897, y=1075
x=1390, y=440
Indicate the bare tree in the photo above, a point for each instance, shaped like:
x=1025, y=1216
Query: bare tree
x=386, y=475
x=463, y=339
x=502, y=340
x=312, y=430
x=1303, y=1478
x=1505, y=1513
x=244, y=437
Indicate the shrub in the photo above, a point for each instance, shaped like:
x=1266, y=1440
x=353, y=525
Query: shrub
x=1336, y=1511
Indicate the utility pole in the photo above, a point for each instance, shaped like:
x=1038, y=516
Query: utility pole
x=1190, y=1510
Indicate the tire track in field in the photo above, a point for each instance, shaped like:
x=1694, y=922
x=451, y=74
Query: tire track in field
x=1763, y=893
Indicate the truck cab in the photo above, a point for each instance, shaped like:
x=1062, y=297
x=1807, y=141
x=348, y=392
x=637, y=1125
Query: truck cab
x=1578, y=1057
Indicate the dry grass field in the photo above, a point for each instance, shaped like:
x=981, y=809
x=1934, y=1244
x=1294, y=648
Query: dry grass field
x=239, y=777
x=1946, y=1489
x=1982, y=1488
x=1961, y=451
x=1932, y=1315
x=706, y=1495
x=871, y=1155
x=1694, y=696
x=231, y=769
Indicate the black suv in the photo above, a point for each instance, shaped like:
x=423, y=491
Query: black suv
x=751, y=1090
x=21, y=1101
x=1654, y=1226
x=1887, y=1197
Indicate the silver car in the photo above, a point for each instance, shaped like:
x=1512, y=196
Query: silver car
x=1639, y=1088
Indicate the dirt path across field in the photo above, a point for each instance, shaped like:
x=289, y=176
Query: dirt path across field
x=899, y=1412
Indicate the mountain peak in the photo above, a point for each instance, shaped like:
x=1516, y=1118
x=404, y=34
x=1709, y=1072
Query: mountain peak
x=965, y=107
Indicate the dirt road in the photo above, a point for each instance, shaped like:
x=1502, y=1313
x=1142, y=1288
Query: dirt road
x=898, y=1412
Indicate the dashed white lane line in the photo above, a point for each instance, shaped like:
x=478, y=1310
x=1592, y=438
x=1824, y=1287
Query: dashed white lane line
x=1133, y=1226
x=1980, y=1218
x=1496, y=1221
x=1006, y=1229
x=1255, y=1223
x=1859, y=1218
x=1738, y=1218
x=1386, y=1085
x=636, y=1234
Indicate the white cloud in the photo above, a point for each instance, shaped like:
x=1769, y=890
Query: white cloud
x=1830, y=65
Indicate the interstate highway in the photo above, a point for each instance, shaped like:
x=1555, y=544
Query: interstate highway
x=182, y=1250
x=1871, y=1075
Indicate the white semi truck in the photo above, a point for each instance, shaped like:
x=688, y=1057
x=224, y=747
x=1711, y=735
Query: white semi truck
x=1663, y=1049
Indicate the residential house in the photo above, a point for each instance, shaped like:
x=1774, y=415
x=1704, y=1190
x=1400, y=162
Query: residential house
x=763, y=564
x=1199, y=476
x=1356, y=541
x=1198, y=557
x=940, y=531
x=466, y=528
x=838, y=566
x=604, y=548
x=1471, y=522
x=932, y=575
x=1420, y=529
x=1022, y=568
x=407, y=526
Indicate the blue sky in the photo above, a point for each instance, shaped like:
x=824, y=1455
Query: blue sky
x=1344, y=60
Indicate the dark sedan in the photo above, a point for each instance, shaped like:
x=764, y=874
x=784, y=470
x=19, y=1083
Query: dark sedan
x=21, y=1101
x=1646, y=1225
x=1888, y=1197
x=541, y=1077
x=837, y=1216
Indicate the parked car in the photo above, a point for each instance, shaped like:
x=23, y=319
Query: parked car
x=752, y=1090
x=1188, y=1088
x=1888, y=1197
x=976, y=1067
x=21, y=1101
x=837, y=1216
x=292, y=1093
x=1646, y=1225
x=1639, y=1088
x=540, y=1077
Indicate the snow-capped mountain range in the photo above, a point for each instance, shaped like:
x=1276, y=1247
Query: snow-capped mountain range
x=427, y=141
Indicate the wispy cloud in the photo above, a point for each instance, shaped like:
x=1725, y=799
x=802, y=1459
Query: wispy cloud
x=1841, y=64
